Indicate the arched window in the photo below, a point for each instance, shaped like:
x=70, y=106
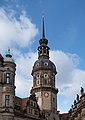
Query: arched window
x=38, y=76
x=45, y=75
x=7, y=101
x=40, y=52
x=37, y=82
x=44, y=51
x=7, y=78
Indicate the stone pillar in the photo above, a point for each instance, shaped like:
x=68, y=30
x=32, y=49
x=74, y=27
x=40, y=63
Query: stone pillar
x=83, y=114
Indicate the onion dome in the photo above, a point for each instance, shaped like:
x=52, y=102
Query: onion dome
x=44, y=64
x=9, y=57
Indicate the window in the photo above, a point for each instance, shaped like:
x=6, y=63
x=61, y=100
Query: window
x=45, y=75
x=54, y=110
x=31, y=103
x=54, y=100
x=40, y=52
x=37, y=82
x=46, y=63
x=30, y=110
x=44, y=51
x=7, y=100
x=8, y=78
x=37, y=64
x=34, y=104
x=35, y=112
x=17, y=107
x=38, y=76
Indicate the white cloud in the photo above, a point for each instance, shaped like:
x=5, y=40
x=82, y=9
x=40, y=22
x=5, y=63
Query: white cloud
x=20, y=31
x=24, y=80
x=65, y=63
x=13, y=30
x=69, y=78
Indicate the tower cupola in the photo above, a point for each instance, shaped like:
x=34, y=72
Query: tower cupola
x=9, y=57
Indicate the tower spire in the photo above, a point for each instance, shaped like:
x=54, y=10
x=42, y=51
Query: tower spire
x=43, y=29
x=43, y=49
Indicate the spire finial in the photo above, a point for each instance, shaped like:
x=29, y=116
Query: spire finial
x=8, y=53
x=8, y=50
x=43, y=30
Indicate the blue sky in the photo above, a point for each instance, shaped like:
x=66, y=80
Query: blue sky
x=21, y=29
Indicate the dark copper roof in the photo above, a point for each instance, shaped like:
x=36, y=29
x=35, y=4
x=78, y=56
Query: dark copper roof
x=42, y=64
x=1, y=57
x=64, y=116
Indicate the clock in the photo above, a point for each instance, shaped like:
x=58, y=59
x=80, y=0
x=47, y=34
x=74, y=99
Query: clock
x=46, y=94
x=8, y=89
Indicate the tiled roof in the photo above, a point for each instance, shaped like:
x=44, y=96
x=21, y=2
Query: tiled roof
x=22, y=102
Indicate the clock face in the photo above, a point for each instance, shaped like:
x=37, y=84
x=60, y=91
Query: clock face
x=8, y=89
x=46, y=94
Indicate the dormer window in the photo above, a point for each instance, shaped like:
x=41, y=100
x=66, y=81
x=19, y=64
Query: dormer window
x=45, y=75
x=46, y=64
x=7, y=78
x=37, y=64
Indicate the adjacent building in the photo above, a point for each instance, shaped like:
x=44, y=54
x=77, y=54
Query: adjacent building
x=77, y=111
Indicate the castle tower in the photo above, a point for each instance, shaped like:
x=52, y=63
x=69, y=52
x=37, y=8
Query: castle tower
x=7, y=87
x=43, y=73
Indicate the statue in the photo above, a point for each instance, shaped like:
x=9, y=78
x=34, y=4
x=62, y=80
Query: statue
x=82, y=91
x=77, y=97
x=72, y=106
x=74, y=102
